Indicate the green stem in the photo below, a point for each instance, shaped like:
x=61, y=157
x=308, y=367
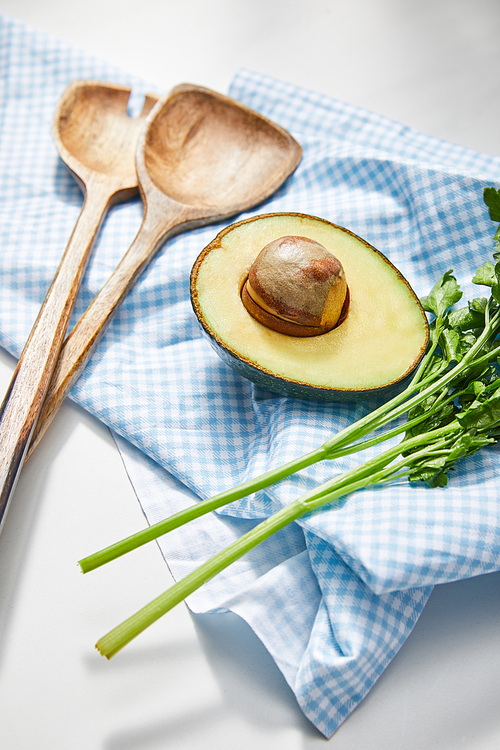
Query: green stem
x=484, y=359
x=136, y=540
x=425, y=362
x=396, y=408
x=388, y=470
x=367, y=469
x=347, y=483
x=336, y=447
x=199, y=509
x=117, y=638
x=394, y=432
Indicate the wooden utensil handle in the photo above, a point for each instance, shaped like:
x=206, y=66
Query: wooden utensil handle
x=24, y=398
x=88, y=331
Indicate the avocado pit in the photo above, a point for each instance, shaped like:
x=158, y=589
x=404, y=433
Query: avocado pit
x=296, y=287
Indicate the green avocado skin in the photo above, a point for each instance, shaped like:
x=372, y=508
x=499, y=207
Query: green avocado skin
x=284, y=387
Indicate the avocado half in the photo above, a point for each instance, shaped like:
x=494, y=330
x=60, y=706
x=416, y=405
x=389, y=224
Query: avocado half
x=375, y=348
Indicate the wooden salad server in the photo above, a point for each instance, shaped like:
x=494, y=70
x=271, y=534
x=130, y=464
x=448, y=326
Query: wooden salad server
x=97, y=140
x=203, y=157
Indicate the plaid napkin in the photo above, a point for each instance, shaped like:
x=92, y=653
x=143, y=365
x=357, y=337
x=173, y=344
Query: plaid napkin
x=335, y=596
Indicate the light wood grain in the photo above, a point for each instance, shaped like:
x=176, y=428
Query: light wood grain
x=97, y=140
x=203, y=157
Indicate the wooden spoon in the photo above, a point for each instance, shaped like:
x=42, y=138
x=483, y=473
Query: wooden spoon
x=203, y=157
x=97, y=140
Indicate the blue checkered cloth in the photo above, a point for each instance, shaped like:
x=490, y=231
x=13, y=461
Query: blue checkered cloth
x=335, y=596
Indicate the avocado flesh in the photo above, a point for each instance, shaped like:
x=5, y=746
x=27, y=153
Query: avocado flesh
x=381, y=340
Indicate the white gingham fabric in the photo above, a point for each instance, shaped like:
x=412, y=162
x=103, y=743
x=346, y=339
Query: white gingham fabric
x=334, y=597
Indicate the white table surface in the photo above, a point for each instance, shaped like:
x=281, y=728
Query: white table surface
x=207, y=682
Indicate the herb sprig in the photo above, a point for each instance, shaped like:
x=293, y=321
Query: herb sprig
x=452, y=407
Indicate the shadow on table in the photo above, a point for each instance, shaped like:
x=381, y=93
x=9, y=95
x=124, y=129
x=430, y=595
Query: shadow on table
x=253, y=694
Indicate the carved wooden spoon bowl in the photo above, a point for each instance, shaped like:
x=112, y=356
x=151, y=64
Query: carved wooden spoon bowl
x=203, y=157
x=97, y=139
